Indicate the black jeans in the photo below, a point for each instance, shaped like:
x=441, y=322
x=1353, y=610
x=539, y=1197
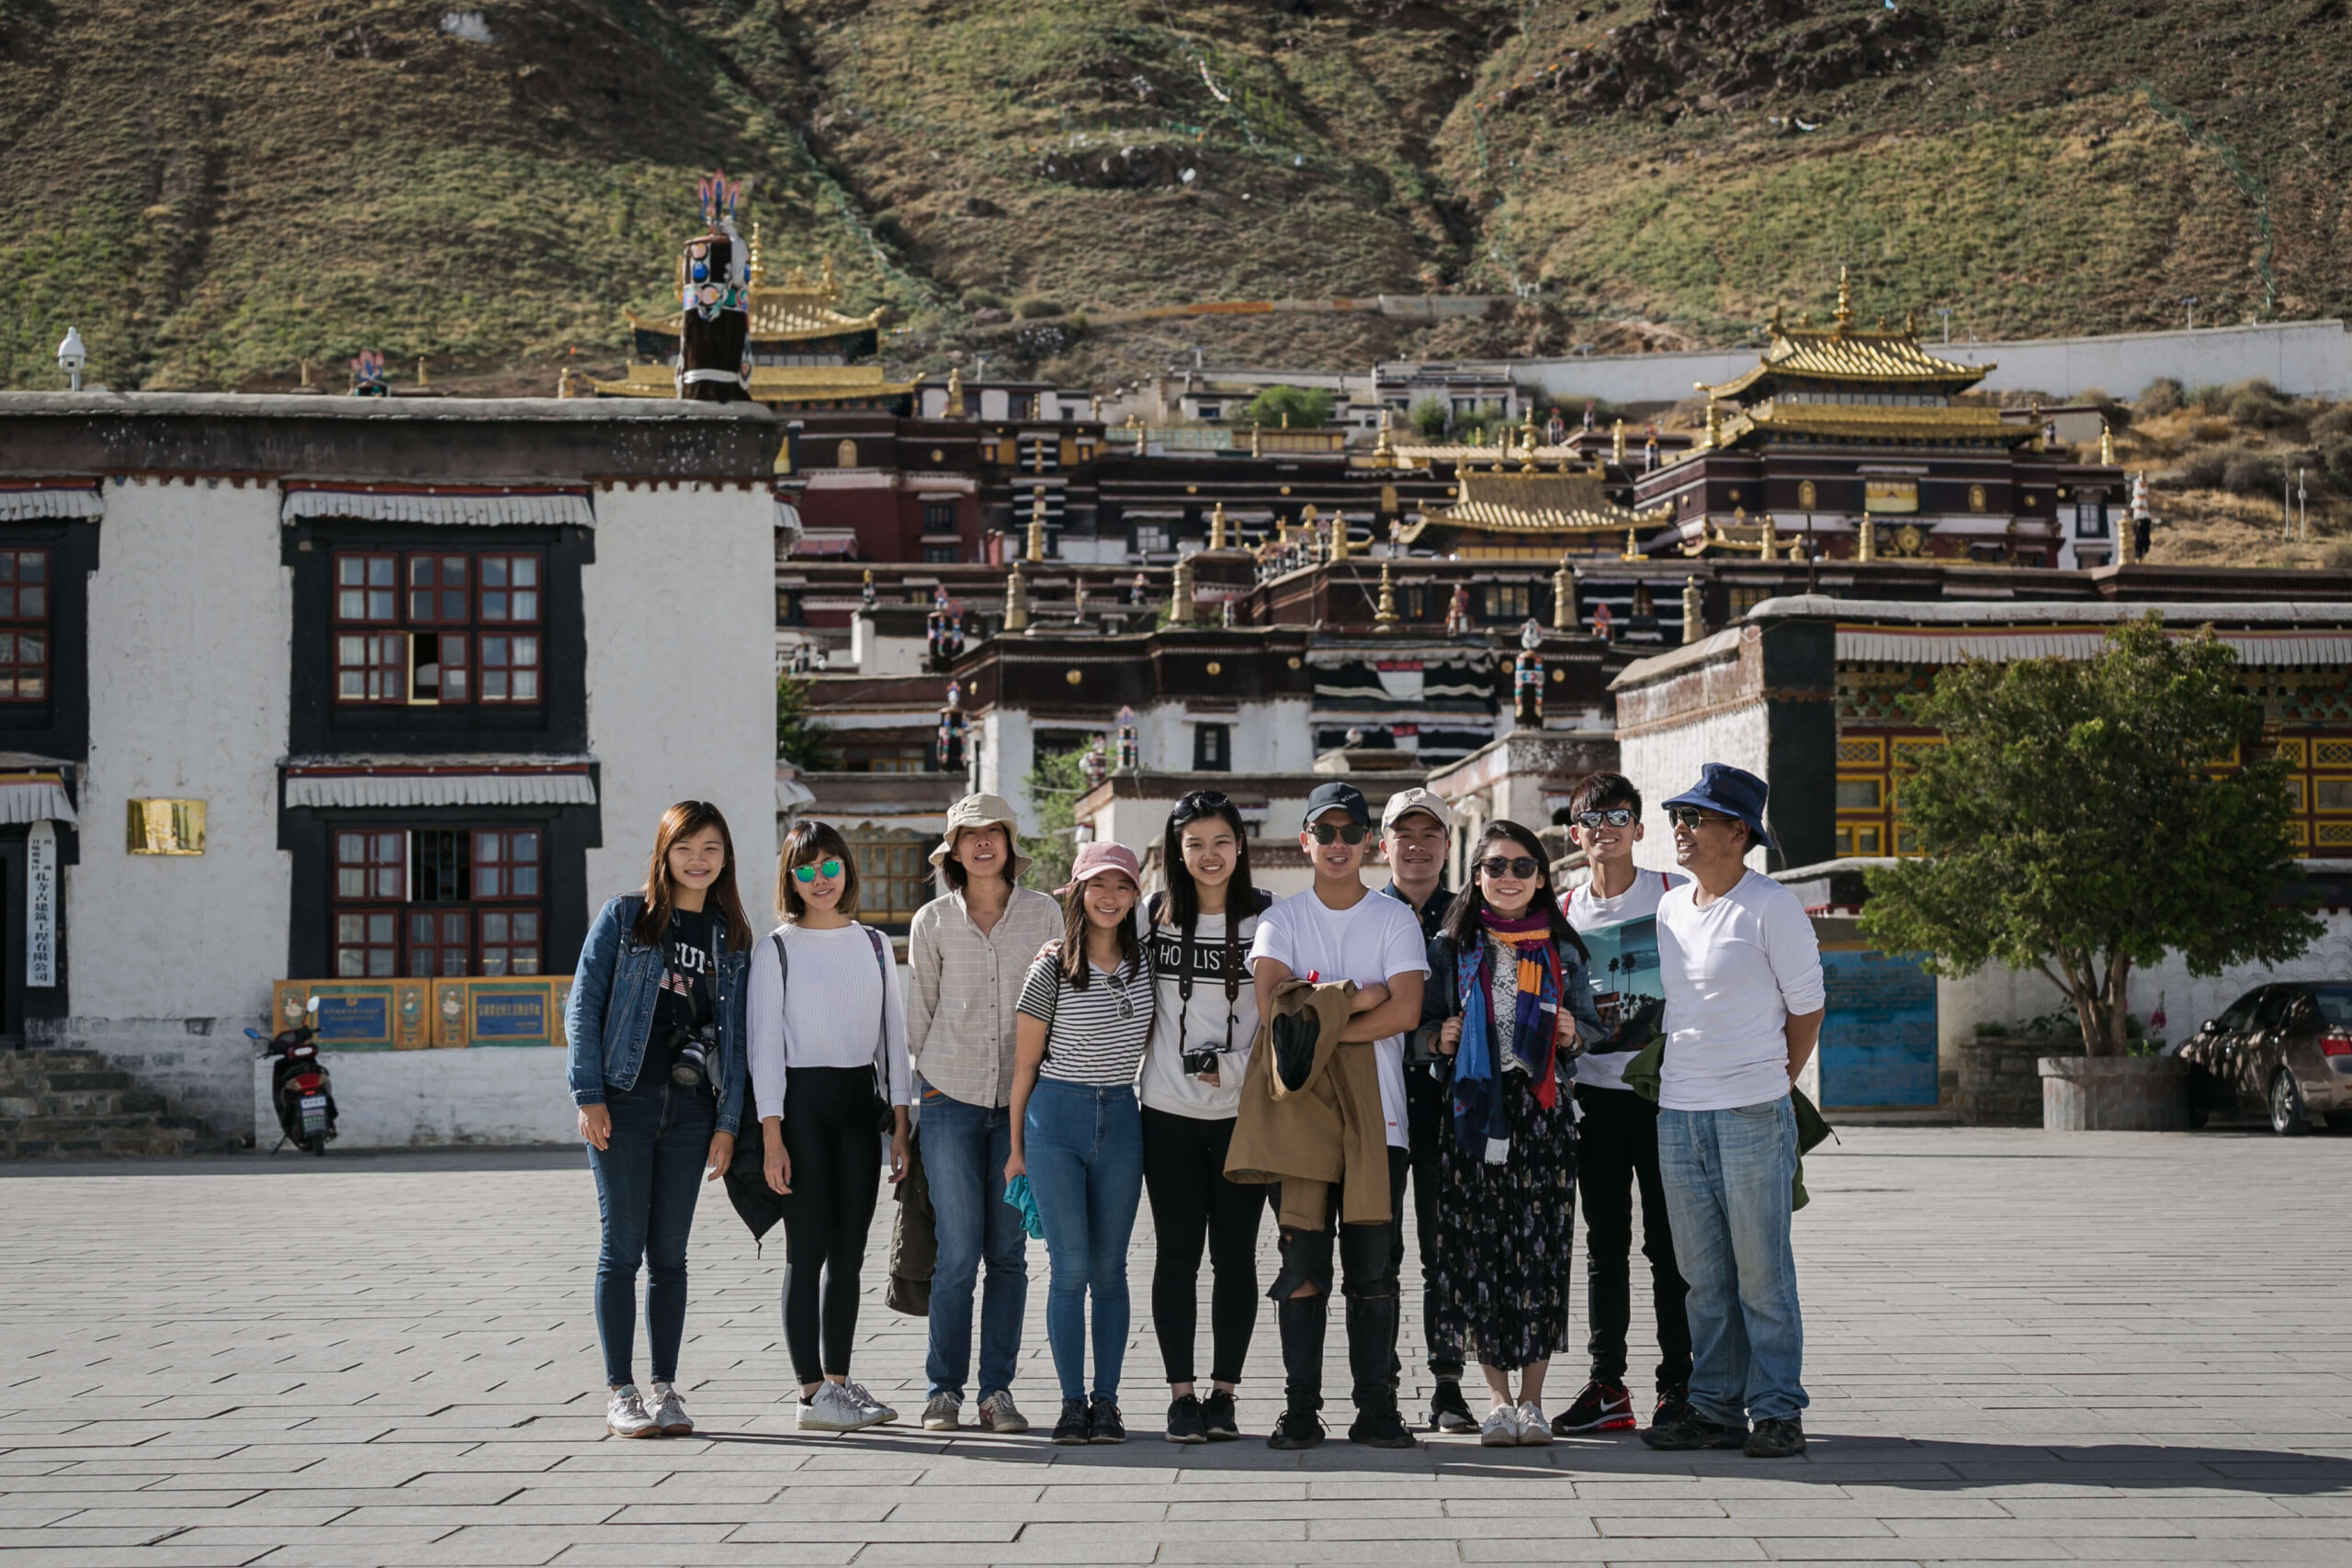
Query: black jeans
x=1616, y=1148
x=1184, y=1172
x=828, y=1132
x=648, y=1176
x=1428, y=1114
x=1369, y=1256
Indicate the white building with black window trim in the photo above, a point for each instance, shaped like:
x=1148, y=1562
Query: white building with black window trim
x=416, y=677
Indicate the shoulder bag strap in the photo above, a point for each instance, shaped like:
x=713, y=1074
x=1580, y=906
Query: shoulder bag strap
x=881, y=1017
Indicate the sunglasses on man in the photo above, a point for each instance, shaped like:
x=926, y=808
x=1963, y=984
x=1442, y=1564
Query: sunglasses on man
x=809, y=871
x=1346, y=832
x=1518, y=866
x=1615, y=817
x=1690, y=817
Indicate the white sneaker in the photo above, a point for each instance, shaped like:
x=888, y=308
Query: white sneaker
x=834, y=1409
x=1533, y=1430
x=999, y=1414
x=857, y=1390
x=669, y=1412
x=942, y=1412
x=625, y=1417
x=1500, y=1429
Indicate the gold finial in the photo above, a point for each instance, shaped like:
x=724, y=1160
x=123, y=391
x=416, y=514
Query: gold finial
x=1179, y=593
x=826, y=284
x=1911, y=320
x=1285, y=419
x=1216, y=527
x=1632, y=551
x=1694, y=615
x=1845, y=316
x=1384, y=451
x=1339, y=536
x=753, y=269
x=2105, y=443
x=1094, y=407
x=1037, y=550
x=954, y=393
x=1774, y=326
x=1016, y=601
x=1866, y=541
x=1383, y=618
x=306, y=373
x=1617, y=442
x=563, y=383
x=1714, y=422
x=1563, y=597
x=420, y=370
x=1256, y=450
x=1771, y=537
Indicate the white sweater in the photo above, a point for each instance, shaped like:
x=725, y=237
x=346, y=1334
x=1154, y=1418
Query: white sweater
x=1733, y=971
x=829, y=1014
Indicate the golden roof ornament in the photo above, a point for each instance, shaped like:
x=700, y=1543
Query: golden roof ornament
x=1633, y=550
x=1179, y=593
x=1774, y=326
x=826, y=282
x=1383, y=619
x=1866, y=541
x=1845, y=315
x=754, y=270
x=1256, y=447
x=954, y=393
x=2105, y=443
x=1617, y=442
x=1339, y=536
x=1037, y=550
x=1564, y=598
x=1714, y=422
x=1016, y=601
x=1694, y=615
x=563, y=383
x=1216, y=527
x=1911, y=320
x=1771, y=538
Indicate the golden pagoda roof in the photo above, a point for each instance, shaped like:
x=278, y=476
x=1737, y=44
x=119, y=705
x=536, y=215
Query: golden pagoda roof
x=1842, y=351
x=1874, y=421
x=783, y=312
x=1513, y=502
x=770, y=383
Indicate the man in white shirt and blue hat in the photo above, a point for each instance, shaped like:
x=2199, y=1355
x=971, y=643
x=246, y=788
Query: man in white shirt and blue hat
x=1741, y=971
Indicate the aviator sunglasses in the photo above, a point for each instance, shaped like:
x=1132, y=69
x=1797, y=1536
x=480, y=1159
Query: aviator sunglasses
x=1346, y=832
x=1690, y=817
x=1520, y=867
x=809, y=871
x=1615, y=817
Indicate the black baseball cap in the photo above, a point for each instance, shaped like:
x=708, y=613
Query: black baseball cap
x=1336, y=795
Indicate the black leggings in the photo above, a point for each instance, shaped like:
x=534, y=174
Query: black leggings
x=828, y=1130
x=1184, y=1171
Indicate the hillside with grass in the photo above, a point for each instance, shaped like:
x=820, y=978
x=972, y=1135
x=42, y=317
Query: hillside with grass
x=215, y=193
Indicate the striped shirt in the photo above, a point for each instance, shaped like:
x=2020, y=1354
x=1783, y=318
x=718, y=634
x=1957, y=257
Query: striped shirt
x=1094, y=1036
x=963, y=986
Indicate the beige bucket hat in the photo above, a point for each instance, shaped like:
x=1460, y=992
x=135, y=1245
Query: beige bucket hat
x=982, y=811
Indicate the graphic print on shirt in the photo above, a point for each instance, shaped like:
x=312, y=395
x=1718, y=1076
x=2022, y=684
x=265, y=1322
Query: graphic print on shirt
x=1625, y=967
x=686, y=977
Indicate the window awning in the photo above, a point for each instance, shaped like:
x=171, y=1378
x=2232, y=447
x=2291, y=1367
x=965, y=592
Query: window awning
x=36, y=798
x=458, y=505
x=825, y=542
x=1872, y=645
x=387, y=785
x=39, y=500
x=788, y=523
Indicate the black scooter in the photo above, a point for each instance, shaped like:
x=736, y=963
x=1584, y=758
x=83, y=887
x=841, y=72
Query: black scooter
x=298, y=1086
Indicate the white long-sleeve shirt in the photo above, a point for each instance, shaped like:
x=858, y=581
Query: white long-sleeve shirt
x=1733, y=971
x=829, y=1013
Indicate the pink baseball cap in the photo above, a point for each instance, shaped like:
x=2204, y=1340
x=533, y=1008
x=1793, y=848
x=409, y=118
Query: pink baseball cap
x=1094, y=859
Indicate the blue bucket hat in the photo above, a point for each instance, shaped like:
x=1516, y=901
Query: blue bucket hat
x=1735, y=792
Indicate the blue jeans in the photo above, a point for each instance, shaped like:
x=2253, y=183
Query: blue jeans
x=1727, y=1175
x=648, y=1176
x=1084, y=1151
x=963, y=1150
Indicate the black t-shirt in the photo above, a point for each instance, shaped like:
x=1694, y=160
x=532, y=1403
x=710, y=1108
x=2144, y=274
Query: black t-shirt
x=689, y=989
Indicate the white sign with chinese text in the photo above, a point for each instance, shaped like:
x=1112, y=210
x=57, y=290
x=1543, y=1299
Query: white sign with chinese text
x=41, y=903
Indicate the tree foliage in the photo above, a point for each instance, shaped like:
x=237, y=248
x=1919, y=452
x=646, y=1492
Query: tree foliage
x=2081, y=817
x=1054, y=781
x=1430, y=416
x=800, y=737
x=1310, y=408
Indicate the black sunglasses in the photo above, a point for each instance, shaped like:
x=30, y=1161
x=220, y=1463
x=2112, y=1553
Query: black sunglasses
x=1200, y=803
x=1615, y=817
x=1346, y=832
x=1690, y=817
x=1518, y=866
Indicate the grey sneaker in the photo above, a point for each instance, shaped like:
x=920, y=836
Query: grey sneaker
x=669, y=1411
x=942, y=1412
x=857, y=1390
x=999, y=1415
x=835, y=1409
x=1534, y=1432
x=1500, y=1429
x=625, y=1417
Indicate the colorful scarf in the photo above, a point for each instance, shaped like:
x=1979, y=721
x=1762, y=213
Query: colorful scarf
x=1481, y=1112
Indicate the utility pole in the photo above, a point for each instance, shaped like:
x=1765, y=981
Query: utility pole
x=2192, y=302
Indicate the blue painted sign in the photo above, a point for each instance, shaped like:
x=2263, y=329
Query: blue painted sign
x=1878, y=1041
x=366, y=1017
x=510, y=1015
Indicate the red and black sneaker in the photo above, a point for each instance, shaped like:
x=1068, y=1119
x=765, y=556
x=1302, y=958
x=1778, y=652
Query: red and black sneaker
x=1601, y=1407
x=1673, y=1405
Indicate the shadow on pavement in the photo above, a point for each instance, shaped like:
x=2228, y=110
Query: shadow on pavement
x=291, y=1162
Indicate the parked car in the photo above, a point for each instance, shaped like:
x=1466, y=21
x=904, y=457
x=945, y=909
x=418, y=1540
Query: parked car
x=2282, y=1050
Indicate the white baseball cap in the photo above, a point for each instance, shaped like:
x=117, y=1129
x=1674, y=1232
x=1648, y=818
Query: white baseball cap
x=1416, y=799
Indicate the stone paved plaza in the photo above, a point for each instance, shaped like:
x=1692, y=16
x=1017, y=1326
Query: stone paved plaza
x=2024, y=1347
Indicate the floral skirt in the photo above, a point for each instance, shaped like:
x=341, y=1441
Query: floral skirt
x=1505, y=1234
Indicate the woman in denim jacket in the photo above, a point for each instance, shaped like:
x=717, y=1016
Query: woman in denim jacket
x=658, y=1068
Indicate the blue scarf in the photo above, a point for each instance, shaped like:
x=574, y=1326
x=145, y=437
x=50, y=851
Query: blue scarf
x=1481, y=1110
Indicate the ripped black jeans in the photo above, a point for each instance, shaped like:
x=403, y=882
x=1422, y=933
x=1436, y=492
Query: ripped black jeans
x=1368, y=1258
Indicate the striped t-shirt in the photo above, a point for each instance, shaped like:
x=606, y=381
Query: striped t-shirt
x=1097, y=1035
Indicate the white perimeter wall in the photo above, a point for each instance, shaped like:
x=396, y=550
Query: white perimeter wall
x=1666, y=762
x=681, y=697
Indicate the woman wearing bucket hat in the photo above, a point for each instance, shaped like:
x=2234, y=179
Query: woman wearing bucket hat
x=1086, y=1016
x=969, y=953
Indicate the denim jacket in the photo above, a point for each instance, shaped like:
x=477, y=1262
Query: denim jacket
x=610, y=1016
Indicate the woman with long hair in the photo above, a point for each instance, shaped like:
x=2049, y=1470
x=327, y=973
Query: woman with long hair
x=1085, y=1019
x=1510, y=978
x=1198, y=933
x=828, y=1028
x=656, y=1064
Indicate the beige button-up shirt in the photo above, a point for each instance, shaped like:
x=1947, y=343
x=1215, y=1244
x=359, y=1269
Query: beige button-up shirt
x=966, y=989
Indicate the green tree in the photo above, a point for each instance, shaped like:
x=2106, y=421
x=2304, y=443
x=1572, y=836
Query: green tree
x=1430, y=416
x=1055, y=781
x=2074, y=822
x=1310, y=408
x=800, y=737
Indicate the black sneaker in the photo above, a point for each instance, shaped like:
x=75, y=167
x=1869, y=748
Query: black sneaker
x=1071, y=1430
x=1378, y=1426
x=1102, y=1423
x=1217, y=1417
x=1448, y=1411
x=1695, y=1431
x=1673, y=1404
x=1187, y=1421
x=1601, y=1407
x=1297, y=1430
x=1776, y=1437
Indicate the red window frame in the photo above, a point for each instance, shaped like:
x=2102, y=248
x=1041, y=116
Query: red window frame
x=24, y=625
x=438, y=627
x=492, y=923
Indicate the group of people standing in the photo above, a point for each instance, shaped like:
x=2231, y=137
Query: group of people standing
x=1054, y=1062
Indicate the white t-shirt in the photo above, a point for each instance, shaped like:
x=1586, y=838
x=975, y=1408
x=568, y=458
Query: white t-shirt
x=1622, y=935
x=837, y=1006
x=1733, y=971
x=1208, y=1023
x=1368, y=942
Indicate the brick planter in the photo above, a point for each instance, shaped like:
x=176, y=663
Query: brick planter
x=2001, y=1081
x=2114, y=1094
